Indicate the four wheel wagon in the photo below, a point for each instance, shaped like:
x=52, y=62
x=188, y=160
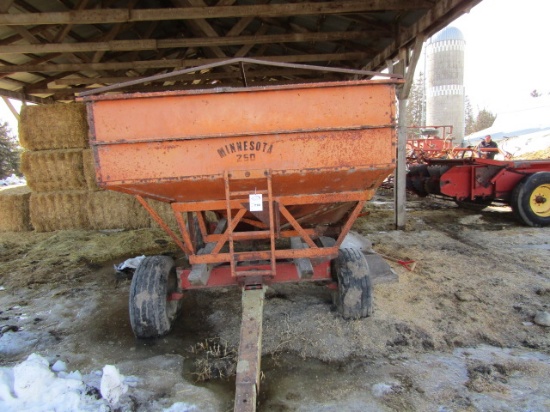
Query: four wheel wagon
x=265, y=184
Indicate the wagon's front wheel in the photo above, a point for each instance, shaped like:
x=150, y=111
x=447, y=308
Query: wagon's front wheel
x=152, y=312
x=353, y=299
x=531, y=199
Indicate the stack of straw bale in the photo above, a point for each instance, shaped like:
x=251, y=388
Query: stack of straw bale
x=59, y=167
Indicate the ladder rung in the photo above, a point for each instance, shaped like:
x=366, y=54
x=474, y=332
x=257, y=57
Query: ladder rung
x=248, y=192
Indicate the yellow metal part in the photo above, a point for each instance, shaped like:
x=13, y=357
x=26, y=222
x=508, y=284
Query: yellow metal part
x=540, y=200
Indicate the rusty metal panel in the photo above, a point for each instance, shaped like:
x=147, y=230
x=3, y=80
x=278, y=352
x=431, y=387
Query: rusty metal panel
x=248, y=112
x=198, y=158
x=176, y=147
x=317, y=151
x=284, y=184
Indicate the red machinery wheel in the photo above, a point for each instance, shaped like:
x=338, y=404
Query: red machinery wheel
x=353, y=299
x=151, y=311
x=531, y=199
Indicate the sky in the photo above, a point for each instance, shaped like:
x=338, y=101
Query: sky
x=506, y=55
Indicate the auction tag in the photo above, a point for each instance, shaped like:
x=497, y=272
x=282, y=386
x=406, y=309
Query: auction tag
x=256, y=203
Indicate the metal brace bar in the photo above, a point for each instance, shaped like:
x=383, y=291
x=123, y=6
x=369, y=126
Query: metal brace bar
x=162, y=224
x=297, y=226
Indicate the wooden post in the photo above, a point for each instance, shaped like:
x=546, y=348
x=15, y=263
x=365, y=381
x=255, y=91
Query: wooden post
x=250, y=351
x=400, y=190
x=400, y=181
x=10, y=106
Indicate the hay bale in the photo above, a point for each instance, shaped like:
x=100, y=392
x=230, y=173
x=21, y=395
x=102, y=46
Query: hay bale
x=164, y=210
x=112, y=210
x=53, y=126
x=14, y=209
x=53, y=170
x=62, y=210
x=89, y=169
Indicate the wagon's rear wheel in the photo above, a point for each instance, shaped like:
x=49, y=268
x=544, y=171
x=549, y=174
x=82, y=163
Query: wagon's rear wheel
x=531, y=199
x=353, y=299
x=152, y=312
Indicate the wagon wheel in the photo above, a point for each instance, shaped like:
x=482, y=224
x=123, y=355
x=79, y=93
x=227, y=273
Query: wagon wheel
x=151, y=310
x=531, y=199
x=477, y=205
x=353, y=299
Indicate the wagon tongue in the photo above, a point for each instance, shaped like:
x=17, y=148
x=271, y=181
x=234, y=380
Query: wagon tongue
x=250, y=349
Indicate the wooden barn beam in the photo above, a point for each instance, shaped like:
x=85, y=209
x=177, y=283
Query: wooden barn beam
x=24, y=97
x=186, y=77
x=200, y=27
x=60, y=36
x=5, y=5
x=68, y=94
x=408, y=64
x=171, y=63
x=440, y=11
x=11, y=107
x=152, y=44
x=107, y=16
x=17, y=37
x=245, y=49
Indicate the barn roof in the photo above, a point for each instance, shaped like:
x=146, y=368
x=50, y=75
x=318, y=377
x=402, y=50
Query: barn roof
x=52, y=49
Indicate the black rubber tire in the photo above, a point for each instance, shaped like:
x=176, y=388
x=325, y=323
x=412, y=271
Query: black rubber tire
x=416, y=178
x=477, y=205
x=532, y=189
x=151, y=314
x=353, y=299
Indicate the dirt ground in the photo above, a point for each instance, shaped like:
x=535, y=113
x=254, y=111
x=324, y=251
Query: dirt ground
x=464, y=331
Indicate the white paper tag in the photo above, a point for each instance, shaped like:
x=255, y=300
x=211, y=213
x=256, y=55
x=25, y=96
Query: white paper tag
x=256, y=204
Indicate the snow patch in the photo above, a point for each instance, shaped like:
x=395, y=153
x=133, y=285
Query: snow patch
x=34, y=386
x=112, y=385
x=381, y=389
x=12, y=181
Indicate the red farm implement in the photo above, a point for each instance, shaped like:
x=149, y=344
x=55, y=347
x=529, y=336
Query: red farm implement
x=475, y=183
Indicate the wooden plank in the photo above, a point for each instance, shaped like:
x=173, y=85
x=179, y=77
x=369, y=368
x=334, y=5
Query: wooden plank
x=105, y=16
x=60, y=36
x=24, y=97
x=200, y=26
x=303, y=265
x=183, y=77
x=17, y=37
x=5, y=5
x=442, y=12
x=171, y=63
x=11, y=107
x=409, y=76
x=250, y=350
x=400, y=191
x=152, y=44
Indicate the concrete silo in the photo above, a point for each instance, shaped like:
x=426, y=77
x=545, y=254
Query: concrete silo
x=445, y=81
